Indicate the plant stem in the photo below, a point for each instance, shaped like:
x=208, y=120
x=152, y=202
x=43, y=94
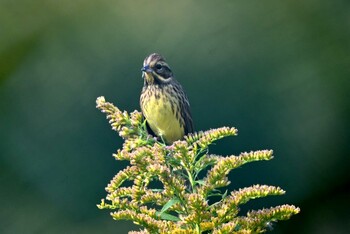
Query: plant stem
x=190, y=178
x=198, y=229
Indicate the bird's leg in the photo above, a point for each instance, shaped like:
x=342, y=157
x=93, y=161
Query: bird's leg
x=163, y=141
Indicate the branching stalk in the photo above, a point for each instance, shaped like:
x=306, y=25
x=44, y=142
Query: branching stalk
x=182, y=204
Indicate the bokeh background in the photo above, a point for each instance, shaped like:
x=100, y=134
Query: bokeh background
x=277, y=70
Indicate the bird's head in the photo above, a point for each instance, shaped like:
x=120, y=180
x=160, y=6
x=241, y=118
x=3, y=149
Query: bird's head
x=155, y=70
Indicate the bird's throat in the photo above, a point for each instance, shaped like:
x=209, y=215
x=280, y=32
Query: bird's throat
x=149, y=78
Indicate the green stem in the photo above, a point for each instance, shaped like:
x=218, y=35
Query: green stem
x=198, y=228
x=191, y=179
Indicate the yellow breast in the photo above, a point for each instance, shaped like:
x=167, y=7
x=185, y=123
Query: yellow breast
x=162, y=119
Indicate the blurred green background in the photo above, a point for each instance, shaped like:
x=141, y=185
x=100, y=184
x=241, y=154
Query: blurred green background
x=277, y=70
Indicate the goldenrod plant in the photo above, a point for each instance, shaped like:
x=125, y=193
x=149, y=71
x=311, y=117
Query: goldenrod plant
x=170, y=188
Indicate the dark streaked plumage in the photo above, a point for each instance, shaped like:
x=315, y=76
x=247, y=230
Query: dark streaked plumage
x=163, y=102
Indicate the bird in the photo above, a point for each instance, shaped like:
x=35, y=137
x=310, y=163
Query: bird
x=163, y=101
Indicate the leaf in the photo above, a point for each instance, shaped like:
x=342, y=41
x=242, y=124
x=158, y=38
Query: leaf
x=225, y=194
x=157, y=190
x=201, y=182
x=167, y=216
x=169, y=204
x=217, y=192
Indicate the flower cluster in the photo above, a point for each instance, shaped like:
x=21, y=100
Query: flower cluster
x=163, y=191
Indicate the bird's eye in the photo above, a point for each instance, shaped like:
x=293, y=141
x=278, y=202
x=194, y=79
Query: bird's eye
x=158, y=66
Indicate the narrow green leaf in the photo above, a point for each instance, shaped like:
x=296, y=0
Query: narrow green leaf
x=167, y=216
x=225, y=194
x=157, y=190
x=201, y=182
x=169, y=204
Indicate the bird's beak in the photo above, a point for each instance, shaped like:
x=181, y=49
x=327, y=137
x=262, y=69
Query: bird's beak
x=147, y=69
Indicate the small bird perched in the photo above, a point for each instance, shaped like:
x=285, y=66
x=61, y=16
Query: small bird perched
x=164, y=103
